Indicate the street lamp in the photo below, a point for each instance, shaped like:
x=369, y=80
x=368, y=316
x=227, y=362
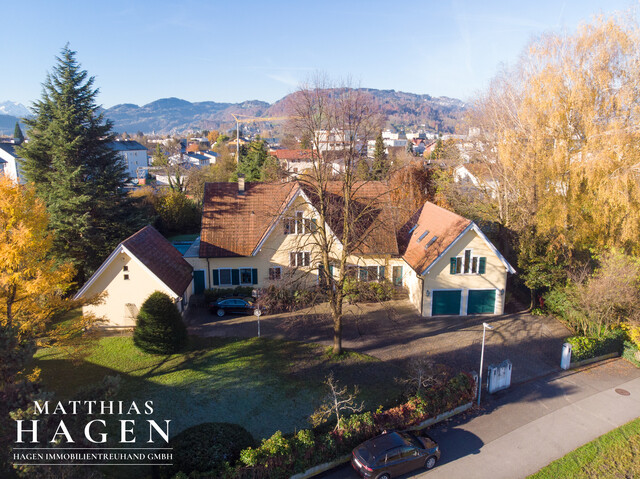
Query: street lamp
x=485, y=326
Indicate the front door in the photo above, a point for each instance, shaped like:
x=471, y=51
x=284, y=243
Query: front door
x=198, y=282
x=397, y=275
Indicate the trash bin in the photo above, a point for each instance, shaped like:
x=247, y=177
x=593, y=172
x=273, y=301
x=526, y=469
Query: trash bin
x=565, y=362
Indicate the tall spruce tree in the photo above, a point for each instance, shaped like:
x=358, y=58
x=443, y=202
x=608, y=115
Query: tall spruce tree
x=17, y=134
x=380, y=166
x=75, y=172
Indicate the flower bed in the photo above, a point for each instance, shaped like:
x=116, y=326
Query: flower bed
x=583, y=348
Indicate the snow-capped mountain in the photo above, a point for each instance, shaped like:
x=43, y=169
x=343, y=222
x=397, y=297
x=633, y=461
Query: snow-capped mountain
x=14, y=108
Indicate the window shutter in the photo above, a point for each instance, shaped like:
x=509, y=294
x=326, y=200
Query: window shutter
x=331, y=270
x=235, y=277
x=216, y=277
x=254, y=276
x=452, y=266
x=483, y=265
x=381, y=272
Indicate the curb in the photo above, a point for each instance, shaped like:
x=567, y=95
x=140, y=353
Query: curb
x=586, y=362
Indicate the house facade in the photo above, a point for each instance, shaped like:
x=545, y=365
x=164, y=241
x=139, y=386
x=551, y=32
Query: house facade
x=142, y=264
x=133, y=155
x=10, y=162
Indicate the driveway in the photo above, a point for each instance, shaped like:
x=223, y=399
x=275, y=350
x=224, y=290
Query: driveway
x=394, y=332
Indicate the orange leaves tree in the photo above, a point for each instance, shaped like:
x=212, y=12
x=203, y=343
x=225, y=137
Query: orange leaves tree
x=33, y=289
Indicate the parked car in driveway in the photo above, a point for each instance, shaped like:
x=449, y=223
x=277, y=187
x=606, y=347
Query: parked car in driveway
x=232, y=305
x=393, y=454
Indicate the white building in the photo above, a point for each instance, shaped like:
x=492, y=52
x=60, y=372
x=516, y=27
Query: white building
x=10, y=162
x=134, y=156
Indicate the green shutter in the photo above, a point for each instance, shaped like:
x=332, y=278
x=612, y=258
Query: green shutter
x=483, y=265
x=216, y=277
x=254, y=276
x=235, y=277
x=381, y=272
x=452, y=265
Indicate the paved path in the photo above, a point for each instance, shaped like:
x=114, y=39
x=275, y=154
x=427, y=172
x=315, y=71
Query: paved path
x=523, y=429
x=394, y=332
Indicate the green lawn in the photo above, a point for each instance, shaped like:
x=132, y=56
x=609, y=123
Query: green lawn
x=615, y=454
x=263, y=384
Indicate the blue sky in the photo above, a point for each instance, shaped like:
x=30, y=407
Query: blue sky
x=231, y=51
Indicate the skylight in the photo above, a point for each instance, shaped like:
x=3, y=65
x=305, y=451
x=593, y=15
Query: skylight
x=413, y=229
x=422, y=236
x=431, y=241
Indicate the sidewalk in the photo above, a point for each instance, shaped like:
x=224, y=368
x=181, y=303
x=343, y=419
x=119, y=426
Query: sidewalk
x=543, y=422
x=522, y=429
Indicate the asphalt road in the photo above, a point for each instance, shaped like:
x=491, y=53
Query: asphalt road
x=520, y=430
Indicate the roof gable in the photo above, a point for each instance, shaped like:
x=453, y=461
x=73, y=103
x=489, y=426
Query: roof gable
x=157, y=255
x=431, y=232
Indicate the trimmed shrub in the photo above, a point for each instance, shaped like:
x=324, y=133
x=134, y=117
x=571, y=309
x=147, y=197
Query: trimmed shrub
x=356, y=291
x=159, y=327
x=278, y=299
x=586, y=348
x=209, y=447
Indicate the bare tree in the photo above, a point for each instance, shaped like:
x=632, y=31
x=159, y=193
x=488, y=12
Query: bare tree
x=423, y=373
x=337, y=401
x=338, y=123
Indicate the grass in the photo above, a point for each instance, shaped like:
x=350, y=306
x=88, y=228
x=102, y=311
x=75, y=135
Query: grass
x=615, y=454
x=262, y=384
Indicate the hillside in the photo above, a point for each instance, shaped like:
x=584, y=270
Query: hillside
x=172, y=115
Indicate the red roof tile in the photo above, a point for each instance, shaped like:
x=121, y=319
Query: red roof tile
x=161, y=257
x=440, y=223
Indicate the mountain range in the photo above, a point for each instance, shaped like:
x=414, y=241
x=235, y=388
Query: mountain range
x=173, y=115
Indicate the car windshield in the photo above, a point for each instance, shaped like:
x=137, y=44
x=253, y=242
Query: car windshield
x=365, y=454
x=411, y=439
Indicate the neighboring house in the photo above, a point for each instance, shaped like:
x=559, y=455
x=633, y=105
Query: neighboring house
x=135, y=157
x=295, y=162
x=143, y=263
x=257, y=234
x=10, y=162
x=476, y=175
x=457, y=269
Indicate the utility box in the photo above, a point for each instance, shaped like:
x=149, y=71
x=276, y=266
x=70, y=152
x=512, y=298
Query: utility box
x=499, y=377
x=565, y=362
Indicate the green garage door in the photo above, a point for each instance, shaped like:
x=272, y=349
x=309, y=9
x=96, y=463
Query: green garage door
x=481, y=301
x=446, y=302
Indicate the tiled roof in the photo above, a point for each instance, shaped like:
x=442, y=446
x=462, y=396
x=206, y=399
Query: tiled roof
x=161, y=257
x=292, y=154
x=126, y=145
x=234, y=224
x=440, y=223
x=374, y=229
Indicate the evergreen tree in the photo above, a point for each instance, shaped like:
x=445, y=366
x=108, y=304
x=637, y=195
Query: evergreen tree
x=380, y=167
x=251, y=163
x=76, y=173
x=17, y=134
x=159, y=327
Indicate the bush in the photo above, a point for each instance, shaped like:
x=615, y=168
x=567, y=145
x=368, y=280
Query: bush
x=281, y=456
x=159, y=327
x=212, y=295
x=177, y=213
x=586, y=348
x=356, y=291
x=278, y=299
x=207, y=447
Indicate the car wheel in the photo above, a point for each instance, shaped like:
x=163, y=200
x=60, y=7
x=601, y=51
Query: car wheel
x=385, y=476
x=220, y=312
x=430, y=463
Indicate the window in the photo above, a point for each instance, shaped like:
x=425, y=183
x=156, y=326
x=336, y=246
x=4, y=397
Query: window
x=225, y=276
x=287, y=224
x=275, y=273
x=245, y=276
x=413, y=228
x=125, y=268
x=299, y=258
x=299, y=223
x=431, y=241
x=421, y=237
x=468, y=264
x=371, y=273
x=126, y=277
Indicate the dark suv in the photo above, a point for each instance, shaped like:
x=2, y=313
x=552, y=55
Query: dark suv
x=393, y=454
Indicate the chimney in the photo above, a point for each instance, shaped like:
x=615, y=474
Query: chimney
x=241, y=184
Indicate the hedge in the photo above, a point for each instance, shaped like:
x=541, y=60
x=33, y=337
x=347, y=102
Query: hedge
x=212, y=295
x=586, y=348
x=281, y=456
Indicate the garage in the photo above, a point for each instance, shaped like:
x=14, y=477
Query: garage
x=446, y=302
x=481, y=301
